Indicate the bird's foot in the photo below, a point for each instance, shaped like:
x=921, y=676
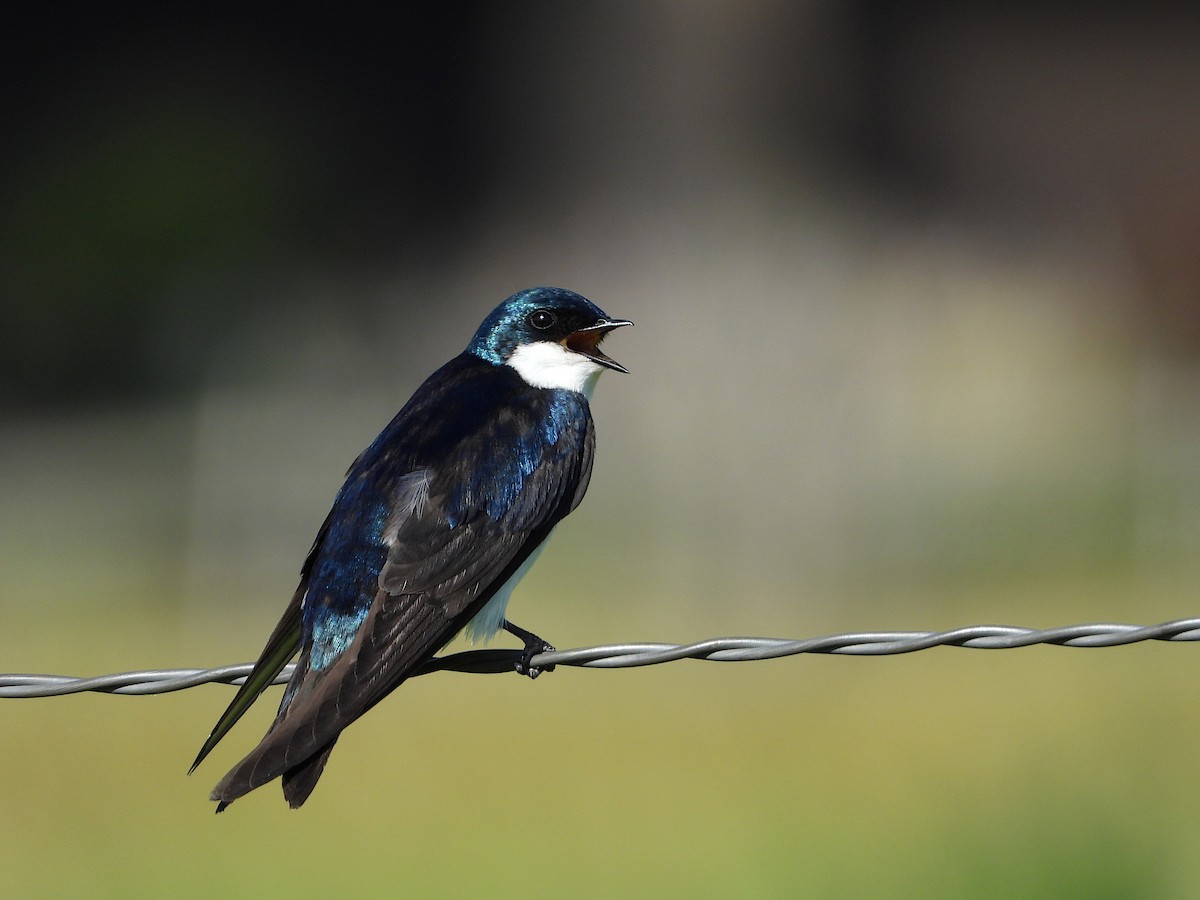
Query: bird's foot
x=533, y=646
x=525, y=666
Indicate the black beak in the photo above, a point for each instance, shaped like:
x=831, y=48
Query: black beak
x=586, y=341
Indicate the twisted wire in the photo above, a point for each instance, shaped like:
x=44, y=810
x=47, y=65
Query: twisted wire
x=613, y=656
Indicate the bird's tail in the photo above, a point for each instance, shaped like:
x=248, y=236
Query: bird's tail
x=271, y=759
x=299, y=782
x=296, y=747
x=318, y=704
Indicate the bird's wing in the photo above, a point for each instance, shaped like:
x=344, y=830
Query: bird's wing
x=446, y=556
x=400, y=632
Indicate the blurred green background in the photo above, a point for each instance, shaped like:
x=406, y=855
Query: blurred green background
x=918, y=346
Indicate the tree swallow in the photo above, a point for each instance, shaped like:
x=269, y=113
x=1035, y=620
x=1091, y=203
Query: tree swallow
x=438, y=520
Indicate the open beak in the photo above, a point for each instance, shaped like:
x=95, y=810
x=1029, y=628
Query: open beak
x=586, y=341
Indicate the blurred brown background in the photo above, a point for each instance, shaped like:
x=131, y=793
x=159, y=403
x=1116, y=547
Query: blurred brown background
x=917, y=295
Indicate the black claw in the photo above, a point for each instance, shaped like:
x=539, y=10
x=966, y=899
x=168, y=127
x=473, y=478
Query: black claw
x=524, y=665
x=533, y=646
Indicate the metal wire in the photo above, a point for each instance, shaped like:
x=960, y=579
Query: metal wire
x=613, y=656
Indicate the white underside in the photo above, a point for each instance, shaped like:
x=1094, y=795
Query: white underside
x=547, y=364
x=490, y=619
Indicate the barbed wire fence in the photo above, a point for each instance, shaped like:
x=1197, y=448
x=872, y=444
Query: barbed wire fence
x=615, y=656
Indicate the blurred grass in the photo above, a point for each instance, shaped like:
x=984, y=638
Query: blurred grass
x=861, y=399
x=1043, y=772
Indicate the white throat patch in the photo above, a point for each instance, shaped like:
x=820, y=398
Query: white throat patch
x=546, y=364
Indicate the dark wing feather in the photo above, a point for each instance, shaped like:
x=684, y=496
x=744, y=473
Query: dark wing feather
x=445, y=559
x=401, y=631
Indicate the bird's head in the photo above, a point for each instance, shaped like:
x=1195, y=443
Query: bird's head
x=551, y=336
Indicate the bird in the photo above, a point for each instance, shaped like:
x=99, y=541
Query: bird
x=438, y=519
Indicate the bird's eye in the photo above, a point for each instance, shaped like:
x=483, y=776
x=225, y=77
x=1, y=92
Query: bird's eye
x=541, y=319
